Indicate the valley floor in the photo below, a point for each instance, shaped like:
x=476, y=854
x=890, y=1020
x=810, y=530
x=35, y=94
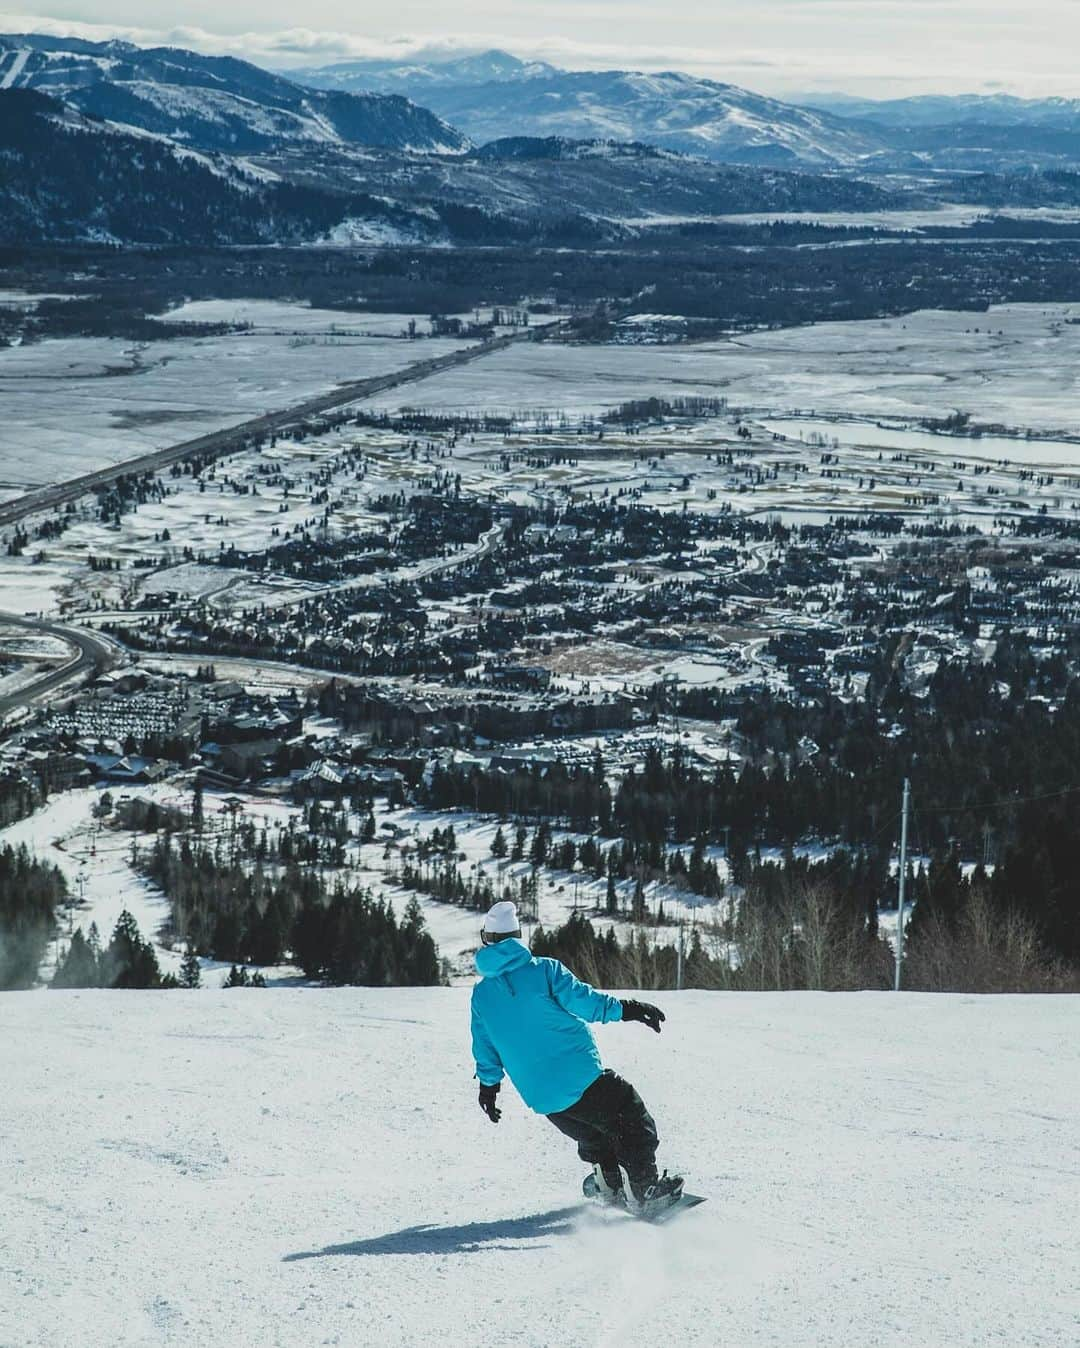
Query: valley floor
x=301, y=1167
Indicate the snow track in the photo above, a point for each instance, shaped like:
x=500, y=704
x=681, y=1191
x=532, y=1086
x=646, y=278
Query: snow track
x=310, y=1167
x=18, y=61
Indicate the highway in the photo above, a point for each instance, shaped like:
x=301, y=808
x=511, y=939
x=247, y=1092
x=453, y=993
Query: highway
x=92, y=654
x=235, y=437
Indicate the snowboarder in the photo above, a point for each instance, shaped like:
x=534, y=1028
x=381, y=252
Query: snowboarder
x=529, y=1022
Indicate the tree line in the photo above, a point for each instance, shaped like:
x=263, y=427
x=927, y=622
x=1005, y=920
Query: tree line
x=228, y=910
x=30, y=892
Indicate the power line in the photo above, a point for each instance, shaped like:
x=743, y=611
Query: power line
x=1004, y=802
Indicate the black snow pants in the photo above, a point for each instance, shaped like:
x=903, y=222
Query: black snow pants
x=613, y=1128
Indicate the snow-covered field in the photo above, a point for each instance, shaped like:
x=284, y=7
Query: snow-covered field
x=310, y=1167
x=953, y=215
x=1017, y=364
x=72, y=405
x=283, y=316
x=293, y=318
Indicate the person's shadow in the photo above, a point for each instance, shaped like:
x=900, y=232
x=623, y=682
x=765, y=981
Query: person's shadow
x=467, y=1239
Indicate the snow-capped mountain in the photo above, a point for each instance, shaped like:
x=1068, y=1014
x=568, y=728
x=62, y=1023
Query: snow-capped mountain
x=672, y=110
x=996, y=132
x=489, y=67
x=214, y=103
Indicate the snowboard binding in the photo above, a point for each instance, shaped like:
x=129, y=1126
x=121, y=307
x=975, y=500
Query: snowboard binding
x=603, y=1189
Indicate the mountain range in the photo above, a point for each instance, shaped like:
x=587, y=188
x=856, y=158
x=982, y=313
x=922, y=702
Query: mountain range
x=114, y=142
x=214, y=102
x=65, y=174
x=496, y=95
x=939, y=110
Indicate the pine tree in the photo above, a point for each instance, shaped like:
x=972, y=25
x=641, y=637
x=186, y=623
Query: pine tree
x=498, y=843
x=79, y=968
x=129, y=961
x=238, y=978
x=197, y=805
x=190, y=970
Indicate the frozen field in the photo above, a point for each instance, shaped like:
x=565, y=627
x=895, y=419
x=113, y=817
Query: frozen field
x=984, y=449
x=292, y=1168
x=282, y=316
x=948, y=215
x=76, y=404
x=1018, y=365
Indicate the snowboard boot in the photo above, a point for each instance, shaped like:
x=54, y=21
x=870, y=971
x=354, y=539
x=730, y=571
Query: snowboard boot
x=647, y=1200
x=605, y=1186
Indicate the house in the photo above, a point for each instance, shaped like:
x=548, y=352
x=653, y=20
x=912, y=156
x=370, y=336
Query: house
x=129, y=769
x=248, y=758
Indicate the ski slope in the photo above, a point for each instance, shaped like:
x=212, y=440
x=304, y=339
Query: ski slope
x=308, y=1167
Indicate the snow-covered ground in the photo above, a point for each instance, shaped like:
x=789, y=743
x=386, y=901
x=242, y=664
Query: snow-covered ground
x=283, y=316
x=949, y=214
x=1016, y=364
x=75, y=404
x=310, y=1167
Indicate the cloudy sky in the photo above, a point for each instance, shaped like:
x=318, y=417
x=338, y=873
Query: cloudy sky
x=879, y=48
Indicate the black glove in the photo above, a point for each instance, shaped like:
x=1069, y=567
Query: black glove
x=648, y=1015
x=487, y=1102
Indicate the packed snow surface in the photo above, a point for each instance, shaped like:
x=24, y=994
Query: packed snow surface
x=301, y=1167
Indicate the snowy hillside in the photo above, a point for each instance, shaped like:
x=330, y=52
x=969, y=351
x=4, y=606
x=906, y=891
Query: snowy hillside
x=310, y=1167
x=74, y=176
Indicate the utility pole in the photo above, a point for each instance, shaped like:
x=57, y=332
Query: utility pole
x=903, y=881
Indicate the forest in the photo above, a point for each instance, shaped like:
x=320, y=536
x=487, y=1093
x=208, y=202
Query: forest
x=734, y=277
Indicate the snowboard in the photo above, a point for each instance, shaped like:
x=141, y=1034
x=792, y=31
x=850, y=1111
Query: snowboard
x=684, y=1203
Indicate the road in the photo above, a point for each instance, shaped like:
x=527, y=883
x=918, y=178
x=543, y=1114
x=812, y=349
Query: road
x=92, y=654
x=233, y=438
x=486, y=544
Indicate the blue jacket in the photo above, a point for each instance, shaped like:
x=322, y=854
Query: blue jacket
x=528, y=1020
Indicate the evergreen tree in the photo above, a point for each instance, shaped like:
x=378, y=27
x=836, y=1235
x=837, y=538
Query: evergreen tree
x=498, y=843
x=79, y=968
x=129, y=961
x=190, y=970
x=29, y=893
x=518, y=850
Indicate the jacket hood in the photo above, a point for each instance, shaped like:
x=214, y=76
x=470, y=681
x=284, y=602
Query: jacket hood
x=500, y=958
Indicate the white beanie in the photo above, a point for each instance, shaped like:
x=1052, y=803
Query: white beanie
x=502, y=920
